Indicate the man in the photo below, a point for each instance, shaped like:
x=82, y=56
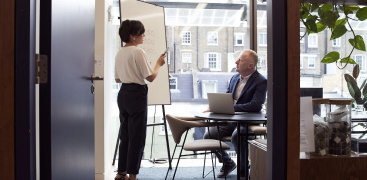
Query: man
x=248, y=89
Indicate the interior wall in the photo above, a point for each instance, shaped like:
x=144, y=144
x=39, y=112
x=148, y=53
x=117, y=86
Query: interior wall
x=7, y=22
x=99, y=91
x=105, y=35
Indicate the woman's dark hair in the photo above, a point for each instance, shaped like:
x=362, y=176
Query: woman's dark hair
x=128, y=28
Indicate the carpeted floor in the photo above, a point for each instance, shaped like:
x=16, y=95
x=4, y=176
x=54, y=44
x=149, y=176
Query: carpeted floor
x=183, y=173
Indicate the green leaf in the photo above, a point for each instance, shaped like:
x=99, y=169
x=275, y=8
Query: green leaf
x=341, y=21
x=312, y=17
x=362, y=14
x=303, y=14
x=327, y=7
x=356, y=72
x=321, y=12
x=338, y=32
x=348, y=12
x=328, y=18
x=351, y=7
x=364, y=91
x=311, y=25
x=331, y=57
x=360, y=43
x=320, y=27
x=352, y=87
x=314, y=7
x=306, y=5
x=348, y=60
x=363, y=85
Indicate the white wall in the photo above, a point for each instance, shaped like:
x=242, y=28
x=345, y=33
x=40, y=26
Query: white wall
x=105, y=126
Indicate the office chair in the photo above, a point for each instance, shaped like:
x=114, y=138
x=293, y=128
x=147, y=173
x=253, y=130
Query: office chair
x=179, y=127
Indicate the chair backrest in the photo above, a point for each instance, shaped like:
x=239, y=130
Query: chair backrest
x=177, y=127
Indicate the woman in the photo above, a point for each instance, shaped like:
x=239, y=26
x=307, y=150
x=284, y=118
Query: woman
x=132, y=69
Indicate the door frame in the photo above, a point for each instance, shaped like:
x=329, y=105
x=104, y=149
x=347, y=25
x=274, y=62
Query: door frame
x=25, y=80
x=7, y=51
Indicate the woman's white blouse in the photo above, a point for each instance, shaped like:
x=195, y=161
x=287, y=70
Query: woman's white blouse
x=132, y=66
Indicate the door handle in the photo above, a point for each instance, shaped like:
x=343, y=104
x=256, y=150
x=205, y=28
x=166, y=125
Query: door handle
x=94, y=78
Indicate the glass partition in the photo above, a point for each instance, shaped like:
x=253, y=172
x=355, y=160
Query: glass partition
x=205, y=38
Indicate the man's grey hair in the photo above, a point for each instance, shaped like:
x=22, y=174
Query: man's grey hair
x=253, y=56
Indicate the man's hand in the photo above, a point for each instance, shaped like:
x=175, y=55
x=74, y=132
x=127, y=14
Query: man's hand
x=206, y=111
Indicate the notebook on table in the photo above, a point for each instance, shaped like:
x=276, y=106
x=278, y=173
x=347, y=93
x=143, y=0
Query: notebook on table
x=221, y=103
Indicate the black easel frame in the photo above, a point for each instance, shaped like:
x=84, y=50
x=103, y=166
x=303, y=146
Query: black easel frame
x=154, y=124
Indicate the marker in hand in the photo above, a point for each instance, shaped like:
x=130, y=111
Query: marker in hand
x=165, y=51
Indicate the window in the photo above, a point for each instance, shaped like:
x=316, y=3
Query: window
x=238, y=39
x=173, y=83
x=361, y=61
x=212, y=38
x=301, y=63
x=312, y=40
x=311, y=61
x=186, y=57
x=263, y=41
x=303, y=39
x=186, y=38
x=212, y=61
x=336, y=42
x=261, y=60
x=208, y=86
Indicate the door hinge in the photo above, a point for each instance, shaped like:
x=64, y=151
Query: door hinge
x=41, y=69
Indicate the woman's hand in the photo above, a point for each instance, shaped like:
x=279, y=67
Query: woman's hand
x=160, y=60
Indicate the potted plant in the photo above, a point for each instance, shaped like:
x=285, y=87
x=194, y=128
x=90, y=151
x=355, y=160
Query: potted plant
x=318, y=17
x=359, y=94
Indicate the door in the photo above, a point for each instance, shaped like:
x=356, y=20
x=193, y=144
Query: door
x=66, y=102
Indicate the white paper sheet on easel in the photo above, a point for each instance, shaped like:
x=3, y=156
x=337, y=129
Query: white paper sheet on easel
x=307, y=141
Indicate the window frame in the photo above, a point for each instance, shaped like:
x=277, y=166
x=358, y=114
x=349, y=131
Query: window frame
x=186, y=38
x=314, y=62
x=203, y=89
x=176, y=85
x=336, y=42
x=182, y=57
x=362, y=67
x=316, y=41
x=217, y=62
x=261, y=60
x=242, y=36
x=261, y=43
x=209, y=38
x=301, y=62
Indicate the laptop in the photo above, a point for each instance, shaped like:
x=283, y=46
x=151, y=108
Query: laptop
x=221, y=103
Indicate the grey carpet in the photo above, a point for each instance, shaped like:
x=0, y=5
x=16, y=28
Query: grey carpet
x=183, y=173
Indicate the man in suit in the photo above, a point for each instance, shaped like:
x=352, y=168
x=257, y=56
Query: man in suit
x=248, y=89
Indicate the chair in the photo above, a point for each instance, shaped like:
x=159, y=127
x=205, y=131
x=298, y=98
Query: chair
x=258, y=130
x=224, y=139
x=179, y=126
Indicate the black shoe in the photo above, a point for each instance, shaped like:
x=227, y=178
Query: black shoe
x=228, y=169
x=122, y=176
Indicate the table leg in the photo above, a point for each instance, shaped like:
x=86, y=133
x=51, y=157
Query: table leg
x=238, y=151
x=246, y=156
